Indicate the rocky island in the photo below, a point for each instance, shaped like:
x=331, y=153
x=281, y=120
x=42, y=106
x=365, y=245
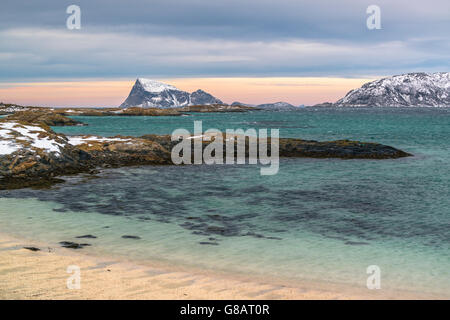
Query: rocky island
x=32, y=154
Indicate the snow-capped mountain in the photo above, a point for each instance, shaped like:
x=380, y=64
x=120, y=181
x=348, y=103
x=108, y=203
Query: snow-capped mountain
x=148, y=93
x=407, y=90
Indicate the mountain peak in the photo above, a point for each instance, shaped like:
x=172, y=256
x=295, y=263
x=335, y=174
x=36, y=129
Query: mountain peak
x=153, y=85
x=148, y=93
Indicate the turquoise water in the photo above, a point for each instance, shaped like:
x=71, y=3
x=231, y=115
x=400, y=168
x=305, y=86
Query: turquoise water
x=316, y=220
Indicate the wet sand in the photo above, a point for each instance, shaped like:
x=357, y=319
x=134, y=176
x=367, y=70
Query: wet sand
x=26, y=274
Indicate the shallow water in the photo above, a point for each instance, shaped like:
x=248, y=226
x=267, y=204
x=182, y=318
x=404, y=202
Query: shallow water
x=324, y=220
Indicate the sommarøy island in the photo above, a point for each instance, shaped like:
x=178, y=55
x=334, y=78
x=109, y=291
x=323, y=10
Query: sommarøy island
x=93, y=206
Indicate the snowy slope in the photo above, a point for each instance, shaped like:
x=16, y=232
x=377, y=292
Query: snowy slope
x=15, y=136
x=412, y=89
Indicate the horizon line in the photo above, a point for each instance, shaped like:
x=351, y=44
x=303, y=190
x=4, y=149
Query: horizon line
x=248, y=90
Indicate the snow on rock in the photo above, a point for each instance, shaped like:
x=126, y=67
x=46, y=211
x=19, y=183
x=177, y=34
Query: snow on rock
x=8, y=147
x=11, y=108
x=78, y=140
x=15, y=136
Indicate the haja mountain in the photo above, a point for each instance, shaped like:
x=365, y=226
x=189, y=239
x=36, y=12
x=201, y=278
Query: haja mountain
x=148, y=93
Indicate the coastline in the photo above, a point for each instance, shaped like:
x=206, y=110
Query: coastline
x=26, y=274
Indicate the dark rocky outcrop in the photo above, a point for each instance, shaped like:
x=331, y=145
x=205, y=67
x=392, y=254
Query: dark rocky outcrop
x=343, y=149
x=39, y=153
x=46, y=117
x=291, y=147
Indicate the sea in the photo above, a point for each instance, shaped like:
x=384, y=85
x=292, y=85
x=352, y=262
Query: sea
x=315, y=221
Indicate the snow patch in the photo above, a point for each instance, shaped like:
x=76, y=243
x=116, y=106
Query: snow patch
x=8, y=147
x=77, y=140
x=12, y=109
x=31, y=134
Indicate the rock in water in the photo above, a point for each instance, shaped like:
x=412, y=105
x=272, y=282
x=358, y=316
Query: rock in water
x=87, y=236
x=407, y=90
x=131, y=237
x=73, y=245
x=148, y=93
x=32, y=249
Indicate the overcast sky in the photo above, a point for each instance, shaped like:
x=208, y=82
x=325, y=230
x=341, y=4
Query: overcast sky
x=254, y=51
x=202, y=38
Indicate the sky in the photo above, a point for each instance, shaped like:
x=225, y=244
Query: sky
x=253, y=51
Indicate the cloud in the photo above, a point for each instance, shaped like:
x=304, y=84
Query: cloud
x=47, y=53
x=166, y=38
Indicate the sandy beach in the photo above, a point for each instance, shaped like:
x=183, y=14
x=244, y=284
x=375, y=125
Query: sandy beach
x=26, y=274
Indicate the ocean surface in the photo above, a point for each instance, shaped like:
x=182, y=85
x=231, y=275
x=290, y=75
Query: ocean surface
x=317, y=220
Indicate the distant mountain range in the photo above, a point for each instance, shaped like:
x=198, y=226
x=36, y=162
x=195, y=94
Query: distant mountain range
x=148, y=93
x=406, y=90
x=278, y=106
x=270, y=106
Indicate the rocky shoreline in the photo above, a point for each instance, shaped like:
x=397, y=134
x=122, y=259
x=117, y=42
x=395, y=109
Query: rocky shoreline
x=30, y=113
x=33, y=155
